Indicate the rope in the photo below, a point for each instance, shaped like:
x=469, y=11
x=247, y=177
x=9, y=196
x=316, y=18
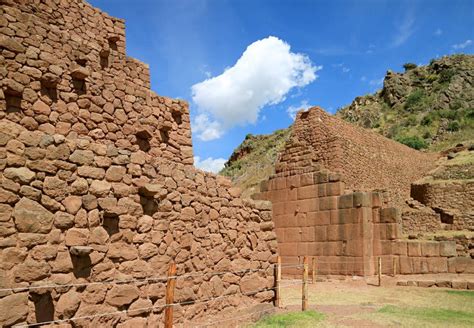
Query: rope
x=144, y=280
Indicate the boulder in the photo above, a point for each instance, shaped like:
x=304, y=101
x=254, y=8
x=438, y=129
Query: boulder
x=32, y=217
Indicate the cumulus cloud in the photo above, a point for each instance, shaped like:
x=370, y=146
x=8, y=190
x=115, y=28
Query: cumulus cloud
x=206, y=128
x=293, y=110
x=462, y=45
x=263, y=75
x=438, y=32
x=209, y=164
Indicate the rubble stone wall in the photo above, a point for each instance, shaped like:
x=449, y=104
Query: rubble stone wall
x=97, y=184
x=453, y=199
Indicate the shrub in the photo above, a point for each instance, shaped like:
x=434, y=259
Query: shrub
x=453, y=126
x=446, y=75
x=426, y=120
x=469, y=114
x=449, y=114
x=414, y=99
x=409, y=66
x=414, y=142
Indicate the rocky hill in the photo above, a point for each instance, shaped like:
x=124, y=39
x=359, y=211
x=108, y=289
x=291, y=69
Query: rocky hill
x=428, y=107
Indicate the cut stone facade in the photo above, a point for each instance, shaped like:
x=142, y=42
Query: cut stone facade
x=316, y=214
x=97, y=184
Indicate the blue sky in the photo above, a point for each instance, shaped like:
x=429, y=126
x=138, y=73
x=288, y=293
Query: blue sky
x=348, y=45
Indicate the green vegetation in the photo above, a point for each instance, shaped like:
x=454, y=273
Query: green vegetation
x=412, y=141
x=425, y=107
x=292, y=319
x=409, y=66
x=253, y=161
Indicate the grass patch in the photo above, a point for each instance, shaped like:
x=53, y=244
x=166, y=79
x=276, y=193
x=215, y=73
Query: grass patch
x=293, y=319
x=430, y=315
x=464, y=293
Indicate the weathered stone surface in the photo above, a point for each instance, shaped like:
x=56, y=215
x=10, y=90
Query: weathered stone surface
x=82, y=157
x=77, y=237
x=68, y=304
x=122, y=251
x=20, y=174
x=121, y=295
x=54, y=187
x=115, y=173
x=100, y=188
x=72, y=204
x=13, y=309
x=31, y=271
x=32, y=217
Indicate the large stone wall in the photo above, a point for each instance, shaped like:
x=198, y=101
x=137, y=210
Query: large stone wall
x=316, y=215
x=454, y=200
x=366, y=160
x=97, y=184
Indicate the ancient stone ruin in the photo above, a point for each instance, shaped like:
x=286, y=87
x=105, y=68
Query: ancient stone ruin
x=98, y=184
x=337, y=194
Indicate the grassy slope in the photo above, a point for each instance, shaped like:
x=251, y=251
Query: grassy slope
x=253, y=161
x=430, y=106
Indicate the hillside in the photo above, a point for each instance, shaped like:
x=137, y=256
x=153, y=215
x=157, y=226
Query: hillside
x=428, y=107
x=254, y=159
x=425, y=107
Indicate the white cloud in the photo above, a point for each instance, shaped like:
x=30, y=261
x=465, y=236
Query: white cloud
x=209, y=164
x=462, y=45
x=293, y=110
x=438, y=32
x=363, y=78
x=206, y=128
x=263, y=75
x=404, y=30
x=343, y=67
x=376, y=82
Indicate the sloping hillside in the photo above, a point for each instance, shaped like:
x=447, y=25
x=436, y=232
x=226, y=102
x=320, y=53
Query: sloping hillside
x=425, y=107
x=254, y=159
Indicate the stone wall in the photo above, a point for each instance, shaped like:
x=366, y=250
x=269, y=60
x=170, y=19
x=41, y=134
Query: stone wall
x=454, y=200
x=97, y=184
x=315, y=214
x=366, y=160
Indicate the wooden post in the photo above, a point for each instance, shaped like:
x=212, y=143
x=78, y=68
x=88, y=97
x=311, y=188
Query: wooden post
x=314, y=270
x=394, y=266
x=170, y=295
x=379, y=271
x=304, y=304
x=277, y=282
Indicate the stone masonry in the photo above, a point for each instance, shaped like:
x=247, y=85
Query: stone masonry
x=97, y=184
x=315, y=214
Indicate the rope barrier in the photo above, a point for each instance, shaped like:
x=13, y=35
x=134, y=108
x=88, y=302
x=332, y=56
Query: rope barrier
x=137, y=281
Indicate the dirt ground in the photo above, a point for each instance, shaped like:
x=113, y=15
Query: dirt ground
x=360, y=303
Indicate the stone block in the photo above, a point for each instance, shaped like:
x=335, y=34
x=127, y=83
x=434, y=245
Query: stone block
x=306, y=192
x=430, y=248
x=346, y=201
x=362, y=199
x=400, y=247
x=328, y=203
x=426, y=283
x=459, y=284
x=443, y=283
x=414, y=248
x=437, y=264
x=376, y=200
x=447, y=248
x=334, y=188
x=320, y=233
x=390, y=215
x=306, y=179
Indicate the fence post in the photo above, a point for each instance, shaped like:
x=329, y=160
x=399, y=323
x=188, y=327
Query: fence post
x=170, y=295
x=314, y=270
x=394, y=261
x=305, y=284
x=277, y=282
x=379, y=271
